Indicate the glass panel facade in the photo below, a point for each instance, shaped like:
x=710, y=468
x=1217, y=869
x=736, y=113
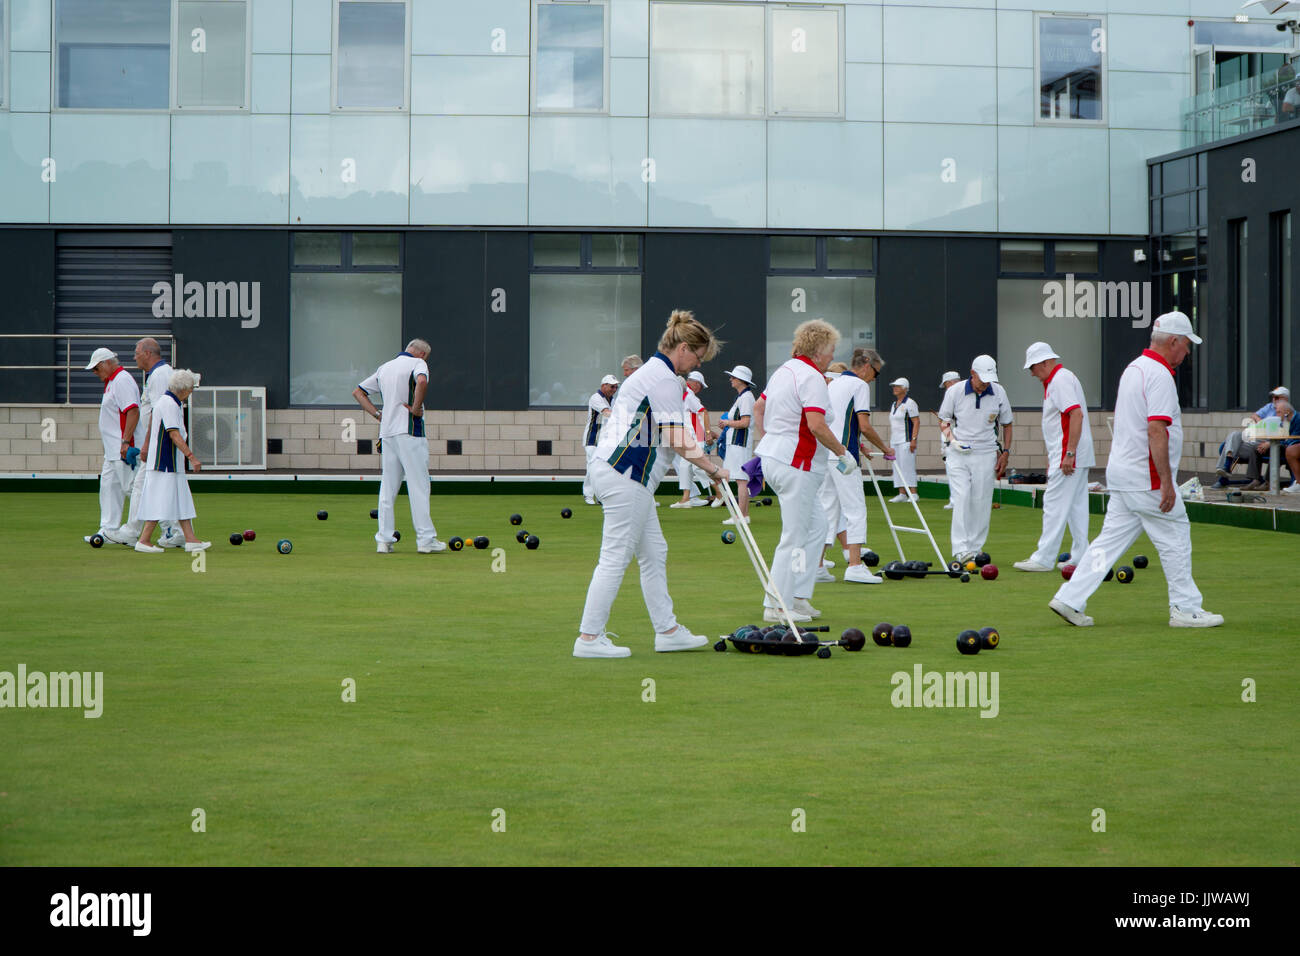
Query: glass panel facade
x=706, y=59
x=848, y=303
x=805, y=45
x=1023, y=255
x=211, y=67
x=557, y=250
x=848, y=253
x=793, y=252
x=1070, y=68
x=371, y=55
x=342, y=326
x=1079, y=258
x=4, y=49
x=376, y=249
x=580, y=328
x=570, y=60
x=615, y=251
x=1021, y=321
x=113, y=56
x=318, y=248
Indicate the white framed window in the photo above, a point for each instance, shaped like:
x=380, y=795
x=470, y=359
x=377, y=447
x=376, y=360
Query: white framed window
x=213, y=61
x=570, y=71
x=112, y=56
x=1070, y=69
x=372, y=55
x=806, y=62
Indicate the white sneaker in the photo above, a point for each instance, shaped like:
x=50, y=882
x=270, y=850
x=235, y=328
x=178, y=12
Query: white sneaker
x=744, y=519
x=172, y=541
x=384, y=547
x=801, y=606
x=1028, y=565
x=827, y=563
x=117, y=537
x=773, y=615
x=898, y=499
x=948, y=506
x=825, y=577
x=861, y=574
x=86, y=538
x=680, y=504
x=679, y=640
x=698, y=503
x=436, y=548
x=1061, y=564
x=147, y=548
x=589, y=501
x=716, y=503
x=1193, y=617
x=197, y=545
x=1077, y=618
x=1292, y=489
x=600, y=647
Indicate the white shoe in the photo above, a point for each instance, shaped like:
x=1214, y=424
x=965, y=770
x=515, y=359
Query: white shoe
x=436, y=548
x=600, y=647
x=948, y=506
x=680, y=504
x=698, y=503
x=1028, y=565
x=117, y=537
x=172, y=541
x=589, y=501
x=773, y=615
x=827, y=563
x=86, y=538
x=898, y=499
x=1194, y=617
x=679, y=640
x=801, y=606
x=1077, y=618
x=147, y=548
x=384, y=547
x=1292, y=489
x=1061, y=564
x=823, y=576
x=197, y=545
x=861, y=574
x=716, y=503
x=744, y=519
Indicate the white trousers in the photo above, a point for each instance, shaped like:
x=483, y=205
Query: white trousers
x=690, y=477
x=971, y=490
x=406, y=456
x=845, y=505
x=114, y=480
x=904, y=466
x=1128, y=514
x=586, y=481
x=134, y=523
x=631, y=529
x=1065, y=504
x=803, y=531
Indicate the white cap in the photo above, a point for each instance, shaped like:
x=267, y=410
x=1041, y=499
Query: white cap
x=949, y=377
x=609, y=380
x=697, y=377
x=1175, y=323
x=985, y=368
x=1038, y=352
x=100, y=355
x=901, y=381
x=1281, y=390
x=743, y=373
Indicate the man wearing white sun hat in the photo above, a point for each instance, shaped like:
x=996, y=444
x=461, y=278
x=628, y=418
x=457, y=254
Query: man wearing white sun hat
x=1069, y=456
x=1142, y=478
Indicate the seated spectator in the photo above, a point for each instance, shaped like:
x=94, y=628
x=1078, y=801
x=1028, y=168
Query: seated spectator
x=1291, y=103
x=1291, y=451
x=1236, y=448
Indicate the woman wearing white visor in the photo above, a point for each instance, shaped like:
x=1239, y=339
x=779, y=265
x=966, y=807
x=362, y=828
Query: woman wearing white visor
x=904, y=425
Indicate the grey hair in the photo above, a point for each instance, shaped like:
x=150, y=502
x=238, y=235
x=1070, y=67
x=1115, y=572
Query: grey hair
x=418, y=345
x=1160, y=338
x=865, y=356
x=632, y=360
x=183, y=380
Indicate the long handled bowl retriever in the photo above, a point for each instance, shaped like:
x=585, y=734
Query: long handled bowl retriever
x=894, y=529
x=755, y=556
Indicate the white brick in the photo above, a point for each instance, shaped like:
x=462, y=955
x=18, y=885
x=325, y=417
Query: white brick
x=337, y=462
x=512, y=432
x=13, y=463
x=304, y=431
x=76, y=463
x=22, y=416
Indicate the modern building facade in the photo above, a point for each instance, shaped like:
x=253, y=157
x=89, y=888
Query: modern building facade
x=291, y=189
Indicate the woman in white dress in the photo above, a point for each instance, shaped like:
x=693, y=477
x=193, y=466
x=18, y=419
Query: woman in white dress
x=166, y=490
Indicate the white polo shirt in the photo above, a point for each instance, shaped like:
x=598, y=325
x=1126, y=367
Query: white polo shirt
x=902, y=421
x=395, y=381
x=742, y=407
x=163, y=454
x=649, y=399
x=596, y=406
x=975, y=418
x=795, y=389
x=1062, y=393
x=1147, y=392
x=849, y=395
x=120, y=396
x=155, y=387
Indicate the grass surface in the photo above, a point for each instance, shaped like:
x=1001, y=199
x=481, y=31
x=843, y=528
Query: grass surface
x=223, y=692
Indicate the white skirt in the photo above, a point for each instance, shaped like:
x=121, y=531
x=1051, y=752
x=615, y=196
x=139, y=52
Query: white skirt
x=904, y=466
x=736, y=456
x=166, y=497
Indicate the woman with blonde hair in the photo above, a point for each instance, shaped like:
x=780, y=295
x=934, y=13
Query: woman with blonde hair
x=648, y=418
x=791, y=416
x=166, y=490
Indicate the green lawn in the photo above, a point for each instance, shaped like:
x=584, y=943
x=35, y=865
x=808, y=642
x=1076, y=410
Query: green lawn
x=222, y=691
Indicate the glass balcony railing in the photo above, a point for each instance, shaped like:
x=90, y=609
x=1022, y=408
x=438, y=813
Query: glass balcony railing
x=1256, y=103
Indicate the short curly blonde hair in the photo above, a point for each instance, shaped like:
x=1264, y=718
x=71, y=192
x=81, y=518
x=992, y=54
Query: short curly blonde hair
x=814, y=337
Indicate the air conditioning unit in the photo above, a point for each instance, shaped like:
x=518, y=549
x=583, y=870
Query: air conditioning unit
x=227, y=427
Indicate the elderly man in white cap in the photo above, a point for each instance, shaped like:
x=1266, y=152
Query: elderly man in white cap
x=904, y=426
x=119, y=413
x=1142, y=478
x=1069, y=456
x=690, y=477
x=598, y=410
x=949, y=379
x=969, y=418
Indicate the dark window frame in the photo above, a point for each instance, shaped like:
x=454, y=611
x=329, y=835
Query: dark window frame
x=1049, y=261
x=345, y=252
x=820, y=260
x=585, y=265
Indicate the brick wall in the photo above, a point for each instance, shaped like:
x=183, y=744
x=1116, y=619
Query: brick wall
x=492, y=441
